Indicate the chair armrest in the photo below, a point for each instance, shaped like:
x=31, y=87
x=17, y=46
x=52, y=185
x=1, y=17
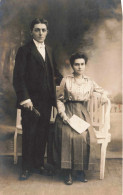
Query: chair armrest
x=107, y=116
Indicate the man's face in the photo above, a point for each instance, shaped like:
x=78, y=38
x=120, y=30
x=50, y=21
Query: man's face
x=39, y=32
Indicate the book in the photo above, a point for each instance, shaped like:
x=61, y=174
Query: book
x=78, y=124
x=34, y=112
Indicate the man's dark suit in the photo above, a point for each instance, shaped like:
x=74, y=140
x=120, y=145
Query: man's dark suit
x=34, y=79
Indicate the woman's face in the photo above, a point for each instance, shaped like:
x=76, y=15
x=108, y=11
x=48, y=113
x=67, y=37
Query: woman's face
x=79, y=66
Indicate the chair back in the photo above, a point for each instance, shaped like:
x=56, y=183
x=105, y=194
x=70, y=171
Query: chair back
x=53, y=115
x=100, y=114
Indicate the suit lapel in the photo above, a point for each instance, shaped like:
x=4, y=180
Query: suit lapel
x=50, y=56
x=39, y=57
x=36, y=54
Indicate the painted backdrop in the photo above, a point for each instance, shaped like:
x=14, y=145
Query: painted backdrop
x=92, y=26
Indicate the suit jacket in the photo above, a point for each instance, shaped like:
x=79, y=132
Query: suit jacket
x=29, y=73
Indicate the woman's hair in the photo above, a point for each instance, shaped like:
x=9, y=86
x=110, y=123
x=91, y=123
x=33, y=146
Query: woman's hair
x=38, y=21
x=78, y=55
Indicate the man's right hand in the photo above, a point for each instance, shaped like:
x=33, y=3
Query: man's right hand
x=28, y=105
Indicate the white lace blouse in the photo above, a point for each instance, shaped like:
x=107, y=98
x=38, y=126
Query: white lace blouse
x=70, y=90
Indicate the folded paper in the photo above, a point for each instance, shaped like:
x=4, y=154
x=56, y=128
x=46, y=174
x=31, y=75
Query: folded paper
x=78, y=124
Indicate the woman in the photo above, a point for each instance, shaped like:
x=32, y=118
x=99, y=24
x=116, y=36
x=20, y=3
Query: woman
x=74, y=151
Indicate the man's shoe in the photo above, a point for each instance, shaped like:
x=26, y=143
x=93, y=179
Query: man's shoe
x=39, y=170
x=50, y=172
x=42, y=170
x=82, y=177
x=68, y=179
x=24, y=175
x=50, y=169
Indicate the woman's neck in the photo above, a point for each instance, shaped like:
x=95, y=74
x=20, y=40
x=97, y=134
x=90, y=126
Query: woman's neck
x=78, y=76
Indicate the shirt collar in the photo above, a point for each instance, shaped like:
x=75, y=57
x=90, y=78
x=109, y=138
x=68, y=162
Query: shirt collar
x=39, y=45
x=84, y=76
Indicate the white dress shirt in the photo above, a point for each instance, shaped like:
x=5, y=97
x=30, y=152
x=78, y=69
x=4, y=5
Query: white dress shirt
x=40, y=48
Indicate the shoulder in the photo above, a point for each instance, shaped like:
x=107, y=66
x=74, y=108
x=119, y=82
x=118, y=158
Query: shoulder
x=50, y=50
x=48, y=47
x=23, y=51
x=69, y=77
x=66, y=80
x=26, y=47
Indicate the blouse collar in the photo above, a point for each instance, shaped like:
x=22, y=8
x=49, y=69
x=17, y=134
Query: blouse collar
x=84, y=76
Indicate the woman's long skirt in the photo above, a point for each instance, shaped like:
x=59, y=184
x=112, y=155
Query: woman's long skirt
x=72, y=150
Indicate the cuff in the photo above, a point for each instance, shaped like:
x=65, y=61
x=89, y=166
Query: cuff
x=25, y=101
x=63, y=116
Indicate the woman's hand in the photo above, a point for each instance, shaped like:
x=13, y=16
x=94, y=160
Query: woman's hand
x=65, y=118
x=66, y=121
x=104, y=99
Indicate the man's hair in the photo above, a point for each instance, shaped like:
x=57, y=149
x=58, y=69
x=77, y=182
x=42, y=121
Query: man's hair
x=78, y=55
x=38, y=21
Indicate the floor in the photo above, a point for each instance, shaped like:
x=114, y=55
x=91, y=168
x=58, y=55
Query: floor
x=47, y=185
x=54, y=185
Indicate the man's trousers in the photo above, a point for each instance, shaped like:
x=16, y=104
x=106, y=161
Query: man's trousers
x=35, y=135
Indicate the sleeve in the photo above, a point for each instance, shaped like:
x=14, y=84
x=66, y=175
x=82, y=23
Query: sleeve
x=98, y=89
x=25, y=101
x=61, y=100
x=19, y=76
x=58, y=76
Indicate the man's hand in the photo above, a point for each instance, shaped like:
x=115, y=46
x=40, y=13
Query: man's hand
x=28, y=105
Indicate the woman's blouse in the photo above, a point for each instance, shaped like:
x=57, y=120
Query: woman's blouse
x=70, y=90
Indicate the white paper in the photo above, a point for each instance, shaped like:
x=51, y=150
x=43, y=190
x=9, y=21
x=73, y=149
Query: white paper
x=78, y=124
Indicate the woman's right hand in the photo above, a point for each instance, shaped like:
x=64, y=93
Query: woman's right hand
x=64, y=118
x=66, y=121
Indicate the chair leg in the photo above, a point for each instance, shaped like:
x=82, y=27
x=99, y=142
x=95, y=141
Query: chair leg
x=102, y=161
x=15, y=148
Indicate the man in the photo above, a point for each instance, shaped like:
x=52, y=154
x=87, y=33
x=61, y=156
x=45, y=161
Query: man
x=33, y=80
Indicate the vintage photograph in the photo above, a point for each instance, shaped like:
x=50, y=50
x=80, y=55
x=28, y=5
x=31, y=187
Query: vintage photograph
x=60, y=97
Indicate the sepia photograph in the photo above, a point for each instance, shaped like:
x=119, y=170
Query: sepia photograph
x=61, y=97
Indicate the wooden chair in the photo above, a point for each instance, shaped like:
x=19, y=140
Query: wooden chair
x=18, y=130
x=100, y=117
